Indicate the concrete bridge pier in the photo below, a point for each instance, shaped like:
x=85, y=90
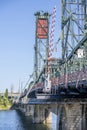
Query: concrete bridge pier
x=72, y=117
x=38, y=113
x=84, y=117
x=42, y=114
x=29, y=110
x=59, y=112
x=21, y=107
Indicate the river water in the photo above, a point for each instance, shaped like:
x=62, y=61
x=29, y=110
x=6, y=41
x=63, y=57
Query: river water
x=14, y=120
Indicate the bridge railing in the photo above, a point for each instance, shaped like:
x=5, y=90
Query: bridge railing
x=77, y=76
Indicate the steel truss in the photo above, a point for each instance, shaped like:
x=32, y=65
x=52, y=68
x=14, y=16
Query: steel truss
x=41, y=42
x=74, y=27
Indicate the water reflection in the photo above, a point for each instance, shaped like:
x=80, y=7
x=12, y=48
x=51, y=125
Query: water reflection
x=14, y=120
x=27, y=123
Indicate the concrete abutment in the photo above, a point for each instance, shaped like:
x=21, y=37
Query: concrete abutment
x=70, y=116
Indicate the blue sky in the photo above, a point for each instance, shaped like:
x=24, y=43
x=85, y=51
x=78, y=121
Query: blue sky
x=17, y=38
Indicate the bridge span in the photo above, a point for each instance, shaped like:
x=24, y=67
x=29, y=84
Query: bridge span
x=67, y=99
x=59, y=84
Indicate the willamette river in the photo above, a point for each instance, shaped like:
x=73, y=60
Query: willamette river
x=14, y=120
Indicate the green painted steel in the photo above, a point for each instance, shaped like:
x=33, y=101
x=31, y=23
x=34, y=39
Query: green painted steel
x=41, y=42
x=73, y=41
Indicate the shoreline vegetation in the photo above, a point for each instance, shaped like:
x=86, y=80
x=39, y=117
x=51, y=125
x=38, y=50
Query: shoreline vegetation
x=5, y=102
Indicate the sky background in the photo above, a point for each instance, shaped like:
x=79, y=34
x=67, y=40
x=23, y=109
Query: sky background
x=17, y=39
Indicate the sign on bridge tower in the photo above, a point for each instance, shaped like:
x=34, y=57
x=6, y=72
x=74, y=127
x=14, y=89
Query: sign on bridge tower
x=41, y=42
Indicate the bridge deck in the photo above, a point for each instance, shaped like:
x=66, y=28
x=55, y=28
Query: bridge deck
x=59, y=98
x=58, y=101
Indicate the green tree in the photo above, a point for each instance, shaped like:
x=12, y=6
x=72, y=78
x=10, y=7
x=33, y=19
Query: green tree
x=0, y=99
x=6, y=93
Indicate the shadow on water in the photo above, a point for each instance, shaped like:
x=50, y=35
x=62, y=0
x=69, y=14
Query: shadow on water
x=28, y=125
x=15, y=120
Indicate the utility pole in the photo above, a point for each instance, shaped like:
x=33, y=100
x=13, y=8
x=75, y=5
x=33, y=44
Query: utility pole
x=12, y=87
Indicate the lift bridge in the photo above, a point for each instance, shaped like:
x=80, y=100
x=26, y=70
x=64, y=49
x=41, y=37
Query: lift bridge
x=56, y=77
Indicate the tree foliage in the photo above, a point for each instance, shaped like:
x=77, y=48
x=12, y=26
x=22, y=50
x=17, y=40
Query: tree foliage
x=6, y=93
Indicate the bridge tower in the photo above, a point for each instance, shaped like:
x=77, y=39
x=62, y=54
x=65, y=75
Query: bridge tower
x=74, y=28
x=74, y=24
x=41, y=42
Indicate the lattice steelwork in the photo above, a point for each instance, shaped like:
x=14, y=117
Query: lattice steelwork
x=74, y=28
x=42, y=42
x=74, y=18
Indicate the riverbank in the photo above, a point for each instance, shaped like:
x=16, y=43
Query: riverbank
x=8, y=107
x=5, y=103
